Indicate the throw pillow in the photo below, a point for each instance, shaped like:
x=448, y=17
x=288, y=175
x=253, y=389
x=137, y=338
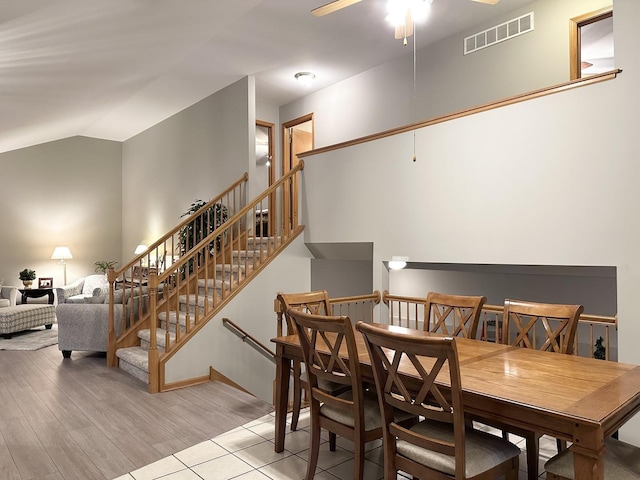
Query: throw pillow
x=91, y=282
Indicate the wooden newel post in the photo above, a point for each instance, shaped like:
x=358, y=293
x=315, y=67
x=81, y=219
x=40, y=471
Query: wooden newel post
x=111, y=332
x=154, y=384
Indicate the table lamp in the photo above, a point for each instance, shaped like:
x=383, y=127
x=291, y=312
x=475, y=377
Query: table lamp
x=62, y=253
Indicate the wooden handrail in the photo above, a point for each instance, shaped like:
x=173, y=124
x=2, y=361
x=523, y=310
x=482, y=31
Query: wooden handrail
x=171, y=233
x=266, y=351
x=229, y=224
x=191, y=279
x=560, y=87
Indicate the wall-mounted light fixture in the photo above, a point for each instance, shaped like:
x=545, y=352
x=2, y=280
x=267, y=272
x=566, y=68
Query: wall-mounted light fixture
x=397, y=263
x=62, y=253
x=305, y=78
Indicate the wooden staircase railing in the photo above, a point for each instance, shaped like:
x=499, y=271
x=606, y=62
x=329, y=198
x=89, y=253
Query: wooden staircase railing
x=185, y=295
x=409, y=312
x=129, y=290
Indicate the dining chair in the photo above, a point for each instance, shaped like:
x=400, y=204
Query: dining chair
x=316, y=302
x=330, y=353
x=621, y=462
x=542, y=326
x=461, y=311
x=439, y=446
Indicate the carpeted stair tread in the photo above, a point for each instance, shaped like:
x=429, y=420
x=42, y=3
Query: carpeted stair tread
x=145, y=338
x=211, y=283
x=134, y=361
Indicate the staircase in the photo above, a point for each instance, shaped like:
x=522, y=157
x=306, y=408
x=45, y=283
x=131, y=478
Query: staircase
x=135, y=360
x=165, y=299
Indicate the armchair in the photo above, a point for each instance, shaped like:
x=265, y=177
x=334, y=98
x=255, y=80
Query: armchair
x=84, y=289
x=8, y=296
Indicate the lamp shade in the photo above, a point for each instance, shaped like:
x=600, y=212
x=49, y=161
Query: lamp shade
x=61, y=253
x=140, y=249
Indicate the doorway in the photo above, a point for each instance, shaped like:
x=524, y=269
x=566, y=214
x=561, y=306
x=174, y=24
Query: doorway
x=297, y=137
x=265, y=174
x=591, y=43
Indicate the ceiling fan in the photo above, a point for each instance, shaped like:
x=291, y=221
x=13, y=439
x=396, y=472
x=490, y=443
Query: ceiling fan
x=340, y=4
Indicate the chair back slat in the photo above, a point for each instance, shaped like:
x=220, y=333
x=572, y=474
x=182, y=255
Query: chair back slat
x=330, y=353
x=556, y=325
x=435, y=361
x=316, y=302
x=455, y=315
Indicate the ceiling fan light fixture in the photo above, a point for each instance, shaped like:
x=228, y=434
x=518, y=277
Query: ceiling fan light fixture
x=305, y=78
x=398, y=11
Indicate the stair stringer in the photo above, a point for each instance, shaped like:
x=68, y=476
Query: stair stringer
x=215, y=346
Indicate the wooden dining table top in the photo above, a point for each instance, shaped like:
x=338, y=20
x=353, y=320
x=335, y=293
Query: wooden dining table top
x=543, y=391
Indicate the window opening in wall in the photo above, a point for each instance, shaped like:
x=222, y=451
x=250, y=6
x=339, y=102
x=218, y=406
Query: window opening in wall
x=591, y=43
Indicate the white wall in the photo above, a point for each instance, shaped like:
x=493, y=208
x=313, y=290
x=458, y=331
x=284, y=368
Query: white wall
x=194, y=154
x=62, y=192
x=447, y=81
x=548, y=182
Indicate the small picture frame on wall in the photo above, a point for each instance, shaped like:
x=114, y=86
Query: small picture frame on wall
x=45, y=282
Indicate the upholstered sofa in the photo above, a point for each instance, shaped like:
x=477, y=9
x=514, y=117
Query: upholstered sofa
x=89, y=289
x=84, y=326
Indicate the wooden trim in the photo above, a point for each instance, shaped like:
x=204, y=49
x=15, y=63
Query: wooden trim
x=575, y=44
x=215, y=375
x=471, y=111
x=185, y=383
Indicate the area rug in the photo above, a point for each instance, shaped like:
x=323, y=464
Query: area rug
x=33, y=339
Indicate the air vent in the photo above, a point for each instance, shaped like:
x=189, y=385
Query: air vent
x=499, y=33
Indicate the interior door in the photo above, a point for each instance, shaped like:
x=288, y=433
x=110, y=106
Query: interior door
x=297, y=137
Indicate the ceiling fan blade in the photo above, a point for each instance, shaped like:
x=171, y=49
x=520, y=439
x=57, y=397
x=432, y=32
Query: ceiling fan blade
x=332, y=7
x=488, y=2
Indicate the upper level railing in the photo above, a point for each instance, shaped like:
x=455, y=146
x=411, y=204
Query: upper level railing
x=595, y=337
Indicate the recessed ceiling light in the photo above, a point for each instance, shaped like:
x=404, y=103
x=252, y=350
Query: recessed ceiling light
x=305, y=78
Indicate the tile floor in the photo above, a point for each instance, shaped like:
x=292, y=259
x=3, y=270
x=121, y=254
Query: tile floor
x=246, y=453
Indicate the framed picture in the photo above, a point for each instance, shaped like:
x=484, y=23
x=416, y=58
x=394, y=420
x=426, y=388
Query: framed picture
x=140, y=272
x=45, y=282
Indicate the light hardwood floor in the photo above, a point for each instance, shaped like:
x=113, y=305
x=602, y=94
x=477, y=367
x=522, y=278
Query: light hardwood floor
x=77, y=419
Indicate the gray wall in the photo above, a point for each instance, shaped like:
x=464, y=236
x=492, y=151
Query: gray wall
x=194, y=154
x=63, y=192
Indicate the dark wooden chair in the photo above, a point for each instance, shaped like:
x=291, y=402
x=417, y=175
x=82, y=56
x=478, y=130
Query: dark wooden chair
x=438, y=447
x=316, y=302
x=461, y=312
x=355, y=415
x=542, y=326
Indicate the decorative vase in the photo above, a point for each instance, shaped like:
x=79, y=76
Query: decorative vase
x=27, y=283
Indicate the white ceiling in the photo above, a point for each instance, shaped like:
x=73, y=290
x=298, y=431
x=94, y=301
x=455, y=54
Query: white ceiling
x=113, y=68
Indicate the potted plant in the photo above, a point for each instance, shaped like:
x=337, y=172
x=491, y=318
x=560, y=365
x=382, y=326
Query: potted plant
x=27, y=276
x=202, y=225
x=103, y=266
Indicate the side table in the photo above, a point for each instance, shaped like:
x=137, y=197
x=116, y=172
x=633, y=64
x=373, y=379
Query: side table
x=36, y=293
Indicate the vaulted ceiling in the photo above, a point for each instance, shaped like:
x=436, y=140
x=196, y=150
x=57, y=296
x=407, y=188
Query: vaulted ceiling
x=112, y=68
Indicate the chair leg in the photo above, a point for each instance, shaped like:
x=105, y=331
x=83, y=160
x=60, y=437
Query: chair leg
x=314, y=450
x=297, y=396
x=358, y=461
x=532, y=455
x=332, y=441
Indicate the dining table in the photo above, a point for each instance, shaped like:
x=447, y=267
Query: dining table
x=578, y=399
